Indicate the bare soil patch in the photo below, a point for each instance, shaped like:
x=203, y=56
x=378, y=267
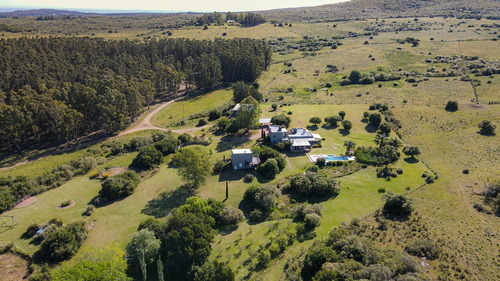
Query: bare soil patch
x=28, y=201
x=116, y=170
x=13, y=267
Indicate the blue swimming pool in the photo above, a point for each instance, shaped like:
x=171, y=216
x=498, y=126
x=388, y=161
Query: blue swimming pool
x=336, y=158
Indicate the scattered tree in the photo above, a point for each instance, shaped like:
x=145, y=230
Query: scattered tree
x=315, y=120
x=487, y=127
x=451, y=106
x=347, y=125
x=350, y=145
x=342, y=114
x=281, y=120
x=411, y=151
x=397, y=204
x=193, y=164
x=143, y=249
x=355, y=76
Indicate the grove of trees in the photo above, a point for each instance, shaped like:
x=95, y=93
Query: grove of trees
x=54, y=89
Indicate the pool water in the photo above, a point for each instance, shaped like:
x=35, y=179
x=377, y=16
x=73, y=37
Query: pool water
x=336, y=158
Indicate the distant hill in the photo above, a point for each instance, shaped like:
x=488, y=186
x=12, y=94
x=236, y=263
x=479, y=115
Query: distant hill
x=362, y=9
x=42, y=13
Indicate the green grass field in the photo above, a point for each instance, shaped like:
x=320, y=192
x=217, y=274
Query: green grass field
x=449, y=142
x=181, y=110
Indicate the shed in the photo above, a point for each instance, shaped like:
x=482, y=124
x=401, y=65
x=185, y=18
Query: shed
x=243, y=159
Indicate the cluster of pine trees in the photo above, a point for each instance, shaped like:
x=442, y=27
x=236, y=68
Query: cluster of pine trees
x=55, y=89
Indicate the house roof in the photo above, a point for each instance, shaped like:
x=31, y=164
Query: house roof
x=241, y=151
x=265, y=120
x=316, y=136
x=301, y=142
x=300, y=133
x=276, y=128
x=237, y=107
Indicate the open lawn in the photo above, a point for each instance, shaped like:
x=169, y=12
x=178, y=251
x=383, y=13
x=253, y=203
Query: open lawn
x=189, y=105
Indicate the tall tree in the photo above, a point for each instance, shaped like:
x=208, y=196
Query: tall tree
x=193, y=164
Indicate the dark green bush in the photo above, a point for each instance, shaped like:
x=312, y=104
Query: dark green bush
x=423, y=248
x=119, y=186
x=148, y=158
x=64, y=242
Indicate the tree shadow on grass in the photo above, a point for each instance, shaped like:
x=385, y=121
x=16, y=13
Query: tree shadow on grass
x=371, y=128
x=344, y=132
x=312, y=127
x=162, y=205
x=329, y=127
x=411, y=160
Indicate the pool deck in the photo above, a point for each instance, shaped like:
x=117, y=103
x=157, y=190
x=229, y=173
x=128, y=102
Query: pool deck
x=314, y=157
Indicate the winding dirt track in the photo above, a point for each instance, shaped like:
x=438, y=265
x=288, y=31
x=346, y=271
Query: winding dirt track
x=145, y=124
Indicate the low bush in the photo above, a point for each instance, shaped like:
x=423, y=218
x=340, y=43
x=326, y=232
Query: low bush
x=248, y=178
x=423, y=248
x=63, y=243
x=397, y=205
x=148, y=158
x=119, y=186
x=230, y=216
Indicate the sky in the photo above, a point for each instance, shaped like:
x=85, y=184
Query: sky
x=163, y=5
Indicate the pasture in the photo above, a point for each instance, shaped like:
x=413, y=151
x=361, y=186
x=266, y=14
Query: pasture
x=449, y=142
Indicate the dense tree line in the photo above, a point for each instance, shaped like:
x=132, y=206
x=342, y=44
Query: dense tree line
x=56, y=89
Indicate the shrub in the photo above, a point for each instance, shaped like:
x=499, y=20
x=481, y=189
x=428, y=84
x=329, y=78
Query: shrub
x=315, y=120
x=400, y=171
x=167, y=145
x=184, y=138
x=256, y=216
x=423, y=248
x=219, y=167
x=385, y=128
x=465, y=171
x=269, y=169
x=487, y=128
x=375, y=119
x=320, y=162
x=31, y=230
x=429, y=179
x=333, y=120
x=153, y=225
x=202, y=122
x=274, y=106
x=148, y=158
x=281, y=120
x=63, y=243
x=381, y=190
x=231, y=216
x=354, y=76
x=214, y=114
x=248, y=178
x=65, y=203
x=311, y=183
x=367, y=80
x=90, y=209
x=347, y=125
x=411, y=151
x=120, y=185
x=223, y=123
x=264, y=257
x=312, y=220
x=263, y=198
x=451, y=106
x=397, y=205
